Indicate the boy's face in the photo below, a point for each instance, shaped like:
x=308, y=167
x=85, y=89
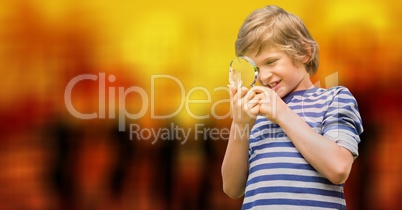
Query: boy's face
x=278, y=71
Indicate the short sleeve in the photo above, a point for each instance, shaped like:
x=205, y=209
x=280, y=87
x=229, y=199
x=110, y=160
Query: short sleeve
x=342, y=121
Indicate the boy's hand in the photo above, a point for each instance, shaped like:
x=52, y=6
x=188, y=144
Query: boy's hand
x=245, y=106
x=269, y=102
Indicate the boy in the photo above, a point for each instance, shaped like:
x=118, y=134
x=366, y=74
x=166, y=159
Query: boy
x=291, y=144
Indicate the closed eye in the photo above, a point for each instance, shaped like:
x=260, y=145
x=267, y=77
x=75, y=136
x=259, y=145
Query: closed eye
x=270, y=62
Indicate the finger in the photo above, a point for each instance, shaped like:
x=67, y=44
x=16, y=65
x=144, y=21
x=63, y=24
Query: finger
x=264, y=98
x=241, y=93
x=259, y=89
x=265, y=95
x=255, y=110
x=233, y=89
x=259, y=96
x=250, y=95
x=254, y=102
x=264, y=101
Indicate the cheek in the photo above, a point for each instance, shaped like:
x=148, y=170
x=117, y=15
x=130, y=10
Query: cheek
x=292, y=77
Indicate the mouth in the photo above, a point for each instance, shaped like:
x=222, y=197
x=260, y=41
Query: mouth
x=274, y=85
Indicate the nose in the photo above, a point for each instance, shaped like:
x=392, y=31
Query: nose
x=264, y=76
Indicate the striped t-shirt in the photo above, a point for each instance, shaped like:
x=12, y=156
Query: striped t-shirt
x=279, y=177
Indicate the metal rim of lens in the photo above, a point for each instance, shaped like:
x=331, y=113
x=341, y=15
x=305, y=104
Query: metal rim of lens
x=255, y=68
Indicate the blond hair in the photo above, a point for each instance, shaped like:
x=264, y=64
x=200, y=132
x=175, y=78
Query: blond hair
x=272, y=25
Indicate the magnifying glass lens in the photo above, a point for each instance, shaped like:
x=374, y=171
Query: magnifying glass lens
x=243, y=72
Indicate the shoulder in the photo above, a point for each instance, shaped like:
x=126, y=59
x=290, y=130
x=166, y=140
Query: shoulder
x=328, y=94
x=341, y=97
x=335, y=96
x=339, y=89
x=336, y=91
x=319, y=96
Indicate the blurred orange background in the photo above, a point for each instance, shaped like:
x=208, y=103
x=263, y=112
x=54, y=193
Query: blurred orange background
x=177, y=54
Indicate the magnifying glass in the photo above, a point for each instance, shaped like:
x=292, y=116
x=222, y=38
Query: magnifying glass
x=243, y=72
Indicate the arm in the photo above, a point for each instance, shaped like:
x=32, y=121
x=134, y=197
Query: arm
x=331, y=160
x=325, y=155
x=235, y=163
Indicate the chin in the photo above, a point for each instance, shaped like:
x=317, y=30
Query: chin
x=281, y=92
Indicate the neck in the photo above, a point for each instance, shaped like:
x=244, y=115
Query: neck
x=305, y=83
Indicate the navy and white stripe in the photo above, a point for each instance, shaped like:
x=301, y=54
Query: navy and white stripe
x=279, y=177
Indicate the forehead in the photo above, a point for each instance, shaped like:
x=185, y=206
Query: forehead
x=263, y=51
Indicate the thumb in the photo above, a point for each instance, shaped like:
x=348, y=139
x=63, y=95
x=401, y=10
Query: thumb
x=233, y=89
